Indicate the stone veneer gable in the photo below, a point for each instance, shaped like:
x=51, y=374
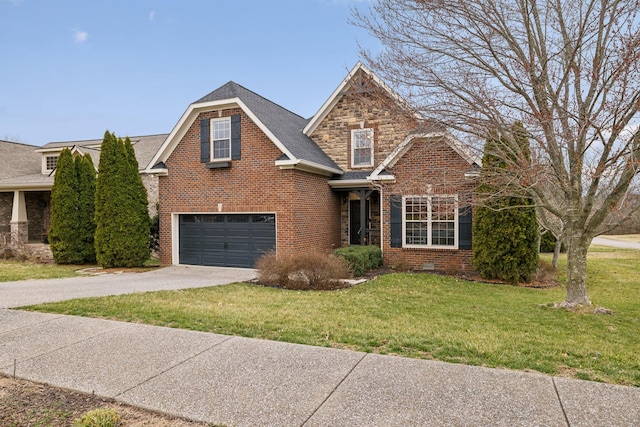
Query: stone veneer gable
x=371, y=110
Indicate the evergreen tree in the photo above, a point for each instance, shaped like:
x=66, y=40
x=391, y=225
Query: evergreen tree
x=86, y=189
x=137, y=200
x=63, y=233
x=122, y=219
x=505, y=229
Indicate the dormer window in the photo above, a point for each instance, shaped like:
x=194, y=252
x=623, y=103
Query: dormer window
x=51, y=162
x=362, y=147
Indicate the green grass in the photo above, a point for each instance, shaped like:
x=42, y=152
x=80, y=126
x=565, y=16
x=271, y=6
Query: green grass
x=421, y=316
x=11, y=270
x=16, y=270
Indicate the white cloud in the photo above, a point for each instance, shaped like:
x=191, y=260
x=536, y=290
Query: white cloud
x=80, y=36
x=152, y=15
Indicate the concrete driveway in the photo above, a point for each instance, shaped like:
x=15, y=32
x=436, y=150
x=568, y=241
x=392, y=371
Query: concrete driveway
x=27, y=292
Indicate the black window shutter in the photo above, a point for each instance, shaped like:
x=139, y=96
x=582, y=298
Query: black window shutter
x=395, y=213
x=205, y=155
x=235, y=137
x=464, y=227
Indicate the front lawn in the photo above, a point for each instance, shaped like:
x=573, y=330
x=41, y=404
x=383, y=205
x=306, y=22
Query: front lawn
x=422, y=316
x=22, y=270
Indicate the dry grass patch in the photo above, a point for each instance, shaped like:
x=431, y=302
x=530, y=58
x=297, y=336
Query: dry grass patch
x=25, y=403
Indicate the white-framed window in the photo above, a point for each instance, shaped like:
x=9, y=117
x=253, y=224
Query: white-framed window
x=430, y=221
x=361, y=147
x=221, y=139
x=50, y=163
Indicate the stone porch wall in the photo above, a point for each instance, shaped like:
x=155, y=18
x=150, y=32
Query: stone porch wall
x=6, y=206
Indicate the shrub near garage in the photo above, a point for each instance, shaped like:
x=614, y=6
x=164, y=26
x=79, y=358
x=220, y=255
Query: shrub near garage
x=361, y=258
x=305, y=271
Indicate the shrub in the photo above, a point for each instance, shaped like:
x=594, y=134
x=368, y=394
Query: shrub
x=361, y=258
x=154, y=234
x=305, y=271
x=505, y=229
x=548, y=243
x=103, y=417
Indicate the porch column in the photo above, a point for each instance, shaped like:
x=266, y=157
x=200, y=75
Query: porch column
x=19, y=220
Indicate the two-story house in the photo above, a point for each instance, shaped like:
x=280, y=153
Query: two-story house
x=241, y=175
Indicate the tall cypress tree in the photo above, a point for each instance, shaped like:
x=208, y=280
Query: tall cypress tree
x=107, y=186
x=505, y=229
x=86, y=172
x=63, y=233
x=122, y=231
x=137, y=205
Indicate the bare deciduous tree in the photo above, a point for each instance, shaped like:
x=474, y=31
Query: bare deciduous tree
x=569, y=70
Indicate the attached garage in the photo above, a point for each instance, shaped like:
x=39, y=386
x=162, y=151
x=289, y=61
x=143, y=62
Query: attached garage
x=225, y=240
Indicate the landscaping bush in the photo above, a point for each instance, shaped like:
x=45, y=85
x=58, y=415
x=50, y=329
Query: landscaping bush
x=306, y=271
x=361, y=258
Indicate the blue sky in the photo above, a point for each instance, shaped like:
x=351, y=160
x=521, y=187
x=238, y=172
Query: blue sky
x=71, y=69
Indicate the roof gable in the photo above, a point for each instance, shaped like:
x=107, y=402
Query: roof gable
x=341, y=91
x=404, y=146
x=281, y=126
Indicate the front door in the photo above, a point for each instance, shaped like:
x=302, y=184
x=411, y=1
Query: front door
x=354, y=221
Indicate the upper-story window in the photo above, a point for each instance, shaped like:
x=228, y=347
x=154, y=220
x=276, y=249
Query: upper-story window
x=221, y=139
x=361, y=147
x=50, y=163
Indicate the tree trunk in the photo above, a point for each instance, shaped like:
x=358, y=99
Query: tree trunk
x=556, y=253
x=578, y=245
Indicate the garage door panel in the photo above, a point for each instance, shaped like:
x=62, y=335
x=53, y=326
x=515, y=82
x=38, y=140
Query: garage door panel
x=213, y=260
x=212, y=246
x=233, y=240
x=261, y=234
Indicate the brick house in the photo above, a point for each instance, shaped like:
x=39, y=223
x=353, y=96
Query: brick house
x=240, y=175
x=26, y=177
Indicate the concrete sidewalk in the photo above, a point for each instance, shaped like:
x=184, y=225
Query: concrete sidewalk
x=247, y=382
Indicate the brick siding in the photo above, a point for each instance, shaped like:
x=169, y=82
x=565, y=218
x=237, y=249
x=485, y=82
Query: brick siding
x=307, y=211
x=429, y=167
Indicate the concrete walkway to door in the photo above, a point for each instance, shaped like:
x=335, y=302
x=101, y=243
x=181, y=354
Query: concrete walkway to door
x=27, y=292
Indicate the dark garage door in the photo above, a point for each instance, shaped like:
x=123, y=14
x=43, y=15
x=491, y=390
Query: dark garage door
x=226, y=240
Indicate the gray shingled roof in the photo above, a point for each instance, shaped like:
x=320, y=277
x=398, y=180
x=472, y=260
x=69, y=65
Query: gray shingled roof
x=144, y=146
x=347, y=176
x=285, y=125
x=18, y=159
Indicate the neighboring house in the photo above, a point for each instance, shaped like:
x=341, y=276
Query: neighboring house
x=240, y=176
x=26, y=177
